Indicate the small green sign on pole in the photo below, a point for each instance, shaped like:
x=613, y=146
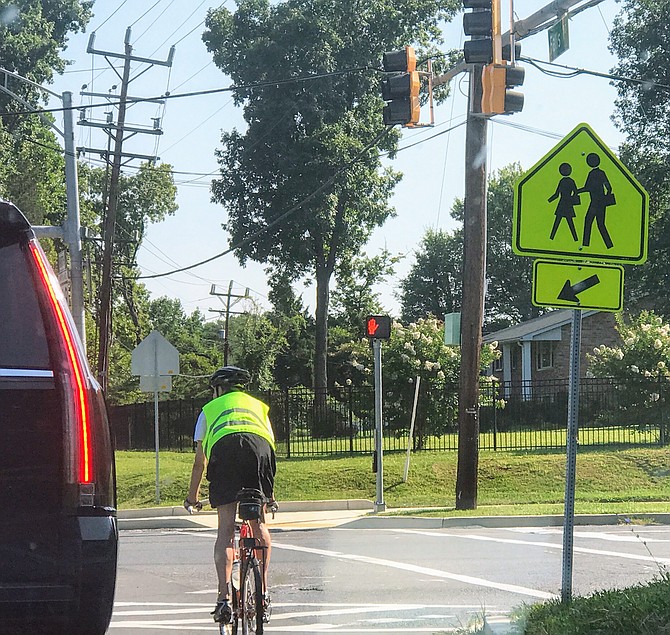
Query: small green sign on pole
x=559, y=38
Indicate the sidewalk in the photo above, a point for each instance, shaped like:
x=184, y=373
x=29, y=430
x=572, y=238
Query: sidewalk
x=356, y=514
x=291, y=515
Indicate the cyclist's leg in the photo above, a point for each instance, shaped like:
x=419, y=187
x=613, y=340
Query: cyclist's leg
x=261, y=533
x=223, y=548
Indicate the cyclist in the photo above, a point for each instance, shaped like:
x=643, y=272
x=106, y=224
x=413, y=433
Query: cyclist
x=235, y=442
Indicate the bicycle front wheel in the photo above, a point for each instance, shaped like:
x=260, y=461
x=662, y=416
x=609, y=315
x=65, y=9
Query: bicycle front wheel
x=251, y=598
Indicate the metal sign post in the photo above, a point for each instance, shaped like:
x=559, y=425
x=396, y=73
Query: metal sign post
x=571, y=455
x=156, y=361
x=380, y=505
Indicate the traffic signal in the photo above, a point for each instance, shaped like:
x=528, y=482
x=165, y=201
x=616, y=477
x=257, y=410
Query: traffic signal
x=497, y=98
x=378, y=327
x=400, y=91
x=483, y=24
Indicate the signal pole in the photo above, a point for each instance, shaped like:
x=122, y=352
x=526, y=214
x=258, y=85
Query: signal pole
x=472, y=302
x=109, y=227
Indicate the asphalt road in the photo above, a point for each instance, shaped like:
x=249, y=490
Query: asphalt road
x=348, y=580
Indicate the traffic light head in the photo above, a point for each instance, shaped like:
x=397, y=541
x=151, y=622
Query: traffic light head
x=378, y=327
x=401, y=89
x=483, y=24
x=403, y=61
x=497, y=99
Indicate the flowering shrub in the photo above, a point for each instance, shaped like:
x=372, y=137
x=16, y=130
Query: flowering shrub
x=641, y=366
x=644, y=352
x=417, y=350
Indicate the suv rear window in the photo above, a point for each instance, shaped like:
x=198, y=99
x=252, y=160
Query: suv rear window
x=23, y=342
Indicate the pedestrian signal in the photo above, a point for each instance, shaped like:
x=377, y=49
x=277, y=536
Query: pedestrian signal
x=378, y=327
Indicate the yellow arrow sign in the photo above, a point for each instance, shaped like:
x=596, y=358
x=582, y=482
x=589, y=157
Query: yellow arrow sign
x=580, y=202
x=577, y=286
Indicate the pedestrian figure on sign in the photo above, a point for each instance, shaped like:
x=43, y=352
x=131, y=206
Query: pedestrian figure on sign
x=600, y=190
x=566, y=193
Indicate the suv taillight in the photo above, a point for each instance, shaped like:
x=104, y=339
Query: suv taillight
x=74, y=373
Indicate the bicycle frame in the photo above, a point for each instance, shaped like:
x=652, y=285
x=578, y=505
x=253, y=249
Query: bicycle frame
x=248, y=608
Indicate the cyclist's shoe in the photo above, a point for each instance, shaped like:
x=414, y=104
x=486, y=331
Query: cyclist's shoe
x=267, y=608
x=222, y=612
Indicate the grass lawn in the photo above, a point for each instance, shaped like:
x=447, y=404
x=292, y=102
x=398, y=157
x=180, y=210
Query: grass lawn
x=510, y=483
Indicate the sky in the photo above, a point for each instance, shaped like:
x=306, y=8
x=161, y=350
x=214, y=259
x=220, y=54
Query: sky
x=432, y=163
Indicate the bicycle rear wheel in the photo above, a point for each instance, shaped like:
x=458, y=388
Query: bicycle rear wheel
x=251, y=598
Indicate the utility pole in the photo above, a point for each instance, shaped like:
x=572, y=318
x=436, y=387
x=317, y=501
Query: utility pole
x=474, y=240
x=109, y=227
x=227, y=312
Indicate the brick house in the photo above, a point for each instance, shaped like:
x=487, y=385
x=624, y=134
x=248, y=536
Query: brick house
x=539, y=350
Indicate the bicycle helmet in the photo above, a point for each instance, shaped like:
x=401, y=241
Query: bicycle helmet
x=230, y=377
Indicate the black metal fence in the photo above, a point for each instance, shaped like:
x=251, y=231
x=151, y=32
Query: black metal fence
x=341, y=421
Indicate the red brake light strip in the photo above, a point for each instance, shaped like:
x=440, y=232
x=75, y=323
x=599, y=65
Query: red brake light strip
x=81, y=402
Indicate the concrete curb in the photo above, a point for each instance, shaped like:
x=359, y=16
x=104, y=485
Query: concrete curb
x=420, y=522
x=316, y=513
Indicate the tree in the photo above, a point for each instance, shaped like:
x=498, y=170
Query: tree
x=354, y=296
x=293, y=364
x=32, y=35
x=303, y=186
x=639, y=39
x=508, y=276
x=433, y=286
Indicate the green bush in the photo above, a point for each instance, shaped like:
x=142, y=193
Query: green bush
x=638, y=610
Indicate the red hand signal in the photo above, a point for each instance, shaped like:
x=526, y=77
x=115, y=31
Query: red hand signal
x=373, y=325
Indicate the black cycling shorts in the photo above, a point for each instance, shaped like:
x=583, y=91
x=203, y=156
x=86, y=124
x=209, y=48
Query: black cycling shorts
x=240, y=460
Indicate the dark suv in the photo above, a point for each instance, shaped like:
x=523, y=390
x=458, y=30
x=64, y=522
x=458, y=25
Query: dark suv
x=58, y=531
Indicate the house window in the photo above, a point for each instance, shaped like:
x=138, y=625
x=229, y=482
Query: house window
x=498, y=365
x=544, y=355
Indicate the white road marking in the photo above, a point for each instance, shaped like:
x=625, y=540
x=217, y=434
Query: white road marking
x=532, y=543
x=436, y=573
x=600, y=535
x=197, y=624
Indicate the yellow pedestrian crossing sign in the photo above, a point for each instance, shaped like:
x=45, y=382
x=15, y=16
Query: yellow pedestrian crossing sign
x=577, y=285
x=579, y=202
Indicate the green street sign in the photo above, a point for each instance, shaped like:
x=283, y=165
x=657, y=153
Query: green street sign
x=579, y=202
x=577, y=286
x=559, y=38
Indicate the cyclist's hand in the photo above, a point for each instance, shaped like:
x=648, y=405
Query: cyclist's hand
x=273, y=506
x=189, y=506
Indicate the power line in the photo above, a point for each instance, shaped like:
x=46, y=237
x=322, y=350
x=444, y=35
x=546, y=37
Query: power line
x=200, y=93
x=111, y=15
x=280, y=218
x=576, y=71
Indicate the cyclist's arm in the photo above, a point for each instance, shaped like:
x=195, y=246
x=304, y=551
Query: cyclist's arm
x=199, y=463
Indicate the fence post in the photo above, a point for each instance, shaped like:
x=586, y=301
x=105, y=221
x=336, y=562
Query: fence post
x=662, y=431
x=494, y=385
x=351, y=421
x=287, y=423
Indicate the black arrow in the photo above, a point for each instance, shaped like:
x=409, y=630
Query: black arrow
x=570, y=291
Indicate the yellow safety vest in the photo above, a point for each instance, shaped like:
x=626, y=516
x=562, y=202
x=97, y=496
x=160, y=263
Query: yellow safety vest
x=235, y=412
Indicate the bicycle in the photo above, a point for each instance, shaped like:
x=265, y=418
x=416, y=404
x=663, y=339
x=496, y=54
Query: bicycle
x=249, y=612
